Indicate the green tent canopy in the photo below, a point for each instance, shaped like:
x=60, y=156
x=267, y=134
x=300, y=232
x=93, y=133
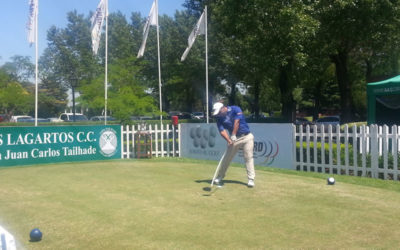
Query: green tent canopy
x=384, y=101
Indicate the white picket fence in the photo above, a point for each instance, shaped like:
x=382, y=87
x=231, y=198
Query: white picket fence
x=371, y=151
x=164, y=140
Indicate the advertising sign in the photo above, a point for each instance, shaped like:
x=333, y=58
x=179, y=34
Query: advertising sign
x=32, y=145
x=273, y=144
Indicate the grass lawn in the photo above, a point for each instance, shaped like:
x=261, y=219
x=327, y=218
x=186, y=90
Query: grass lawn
x=161, y=204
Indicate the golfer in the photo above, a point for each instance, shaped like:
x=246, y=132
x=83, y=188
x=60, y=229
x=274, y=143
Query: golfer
x=231, y=119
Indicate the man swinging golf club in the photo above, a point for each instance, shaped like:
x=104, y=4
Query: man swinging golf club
x=231, y=118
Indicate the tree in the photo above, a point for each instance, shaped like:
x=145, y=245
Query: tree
x=223, y=71
x=20, y=68
x=352, y=28
x=71, y=49
x=122, y=42
x=183, y=83
x=16, y=92
x=187, y=76
x=53, y=98
x=127, y=92
x=269, y=38
x=14, y=98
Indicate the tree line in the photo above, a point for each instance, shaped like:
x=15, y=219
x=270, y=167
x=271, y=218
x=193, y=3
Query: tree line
x=264, y=55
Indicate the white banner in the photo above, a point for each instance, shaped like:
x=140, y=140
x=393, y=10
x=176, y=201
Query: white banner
x=150, y=21
x=31, y=25
x=273, y=144
x=97, y=23
x=199, y=29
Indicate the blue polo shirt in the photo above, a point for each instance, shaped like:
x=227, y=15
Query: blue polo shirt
x=227, y=122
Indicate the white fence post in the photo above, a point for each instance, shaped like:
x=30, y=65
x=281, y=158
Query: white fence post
x=301, y=146
x=150, y=129
x=315, y=140
x=122, y=142
x=374, y=151
x=346, y=149
x=168, y=144
x=338, y=149
x=330, y=149
x=395, y=150
x=162, y=139
x=156, y=139
x=385, y=141
x=128, y=155
x=355, y=148
x=308, y=148
x=364, y=149
x=173, y=141
x=323, y=162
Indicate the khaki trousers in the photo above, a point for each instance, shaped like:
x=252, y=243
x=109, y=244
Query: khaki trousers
x=247, y=142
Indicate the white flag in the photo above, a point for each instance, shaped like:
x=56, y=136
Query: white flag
x=151, y=20
x=97, y=23
x=31, y=25
x=199, y=29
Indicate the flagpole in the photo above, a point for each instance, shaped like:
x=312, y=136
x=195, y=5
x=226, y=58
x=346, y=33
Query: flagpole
x=106, y=69
x=36, y=64
x=206, y=31
x=159, y=82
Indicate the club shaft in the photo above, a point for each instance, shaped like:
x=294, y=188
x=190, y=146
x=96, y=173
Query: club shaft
x=218, y=167
x=3, y=242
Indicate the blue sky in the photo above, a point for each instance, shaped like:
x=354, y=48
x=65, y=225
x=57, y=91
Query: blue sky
x=14, y=16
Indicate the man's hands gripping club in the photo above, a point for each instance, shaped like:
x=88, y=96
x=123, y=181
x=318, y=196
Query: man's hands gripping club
x=233, y=137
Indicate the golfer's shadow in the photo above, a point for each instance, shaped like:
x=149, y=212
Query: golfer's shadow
x=224, y=181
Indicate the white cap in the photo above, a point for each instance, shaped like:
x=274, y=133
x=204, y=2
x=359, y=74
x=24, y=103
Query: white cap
x=216, y=108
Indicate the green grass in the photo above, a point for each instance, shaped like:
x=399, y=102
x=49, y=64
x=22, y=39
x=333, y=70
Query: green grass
x=161, y=204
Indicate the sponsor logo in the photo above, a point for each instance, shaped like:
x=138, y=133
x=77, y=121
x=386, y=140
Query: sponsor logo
x=265, y=151
x=203, y=137
x=108, y=142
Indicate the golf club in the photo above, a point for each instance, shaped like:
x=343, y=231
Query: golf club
x=218, y=167
x=3, y=242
